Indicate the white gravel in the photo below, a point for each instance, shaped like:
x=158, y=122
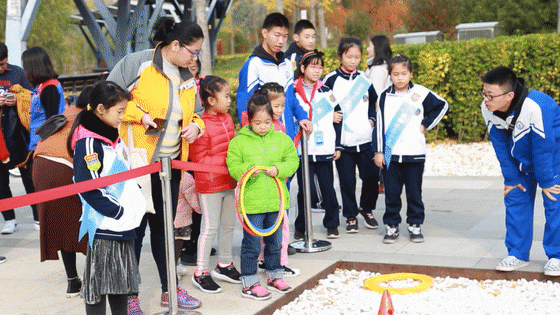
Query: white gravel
x=454, y=159
x=344, y=292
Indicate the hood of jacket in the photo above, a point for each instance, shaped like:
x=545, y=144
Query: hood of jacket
x=261, y=53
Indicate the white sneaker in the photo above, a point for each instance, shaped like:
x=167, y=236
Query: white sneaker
x=36, y=225
x=291, y=272
x=511, y=263
x=552, y=267
x=10, y=227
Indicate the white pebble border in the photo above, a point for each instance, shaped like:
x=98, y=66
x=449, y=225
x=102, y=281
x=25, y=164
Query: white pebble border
x=458, y=159
x=344, y=292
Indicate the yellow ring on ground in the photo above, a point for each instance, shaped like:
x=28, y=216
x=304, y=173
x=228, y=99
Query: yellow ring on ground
x=242, y=202
x=426, y=283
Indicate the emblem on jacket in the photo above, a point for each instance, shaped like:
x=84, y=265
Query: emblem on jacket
x=415, y=97
x=519, y=125
x=332, y=98
x=92, y=161
x=365, y=98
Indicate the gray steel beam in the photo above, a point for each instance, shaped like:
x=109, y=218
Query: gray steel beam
x=107, y=16
x=101, y=40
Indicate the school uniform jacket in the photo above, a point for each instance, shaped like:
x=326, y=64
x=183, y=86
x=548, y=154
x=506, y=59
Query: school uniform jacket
x=356, y=128
x=533, y=147
x=259, y=69
x=326, y=134
x=120, y=206
x=211, y=149
x=293, y=54
x=430, y=110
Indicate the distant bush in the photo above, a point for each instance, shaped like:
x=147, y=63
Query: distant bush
x=453, y=70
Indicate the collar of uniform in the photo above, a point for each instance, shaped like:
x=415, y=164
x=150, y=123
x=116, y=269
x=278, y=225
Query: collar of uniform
x=157, y=61
x=392, y=88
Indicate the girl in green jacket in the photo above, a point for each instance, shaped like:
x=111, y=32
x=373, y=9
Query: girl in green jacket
x=259, y=145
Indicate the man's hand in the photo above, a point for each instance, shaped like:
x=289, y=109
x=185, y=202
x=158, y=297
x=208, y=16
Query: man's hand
x=337, y=117
x=422, y=129
x=379, y=159
x=507, y=188
x=272, y=171
x=306, y=125
x=552, y=190
x=190, y=133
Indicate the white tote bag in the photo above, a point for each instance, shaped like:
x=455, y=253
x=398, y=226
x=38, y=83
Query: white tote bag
x=139, y=158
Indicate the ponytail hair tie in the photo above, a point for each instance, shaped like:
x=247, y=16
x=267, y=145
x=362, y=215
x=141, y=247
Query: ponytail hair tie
x=88, y=107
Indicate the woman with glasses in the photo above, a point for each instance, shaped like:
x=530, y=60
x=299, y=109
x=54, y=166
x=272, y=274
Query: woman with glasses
x=163, y=89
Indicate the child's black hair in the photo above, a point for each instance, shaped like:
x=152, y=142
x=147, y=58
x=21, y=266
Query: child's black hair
x=83, y=98
x=275, y=20
x=270, y=88
x=400, y=59
x=103, y=92
x=348, y=42
x=502, y=76
x=302, y=25
x=258, y=102
x=209, y=86
x=166, y=31
x=313, y=57
x=382, y=48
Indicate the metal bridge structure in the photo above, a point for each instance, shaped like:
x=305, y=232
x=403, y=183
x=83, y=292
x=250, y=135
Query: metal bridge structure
x=113, y=31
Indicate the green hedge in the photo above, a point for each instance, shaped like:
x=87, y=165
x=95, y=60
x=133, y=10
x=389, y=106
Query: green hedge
x=453, y=70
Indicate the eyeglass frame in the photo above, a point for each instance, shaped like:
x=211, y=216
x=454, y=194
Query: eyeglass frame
x=193, y=54
x=491, y=97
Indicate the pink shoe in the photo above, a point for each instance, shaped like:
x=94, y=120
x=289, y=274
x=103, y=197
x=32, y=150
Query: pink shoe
x=184, y=300
x=279, y=285
x=134, y=305
x=256, y=292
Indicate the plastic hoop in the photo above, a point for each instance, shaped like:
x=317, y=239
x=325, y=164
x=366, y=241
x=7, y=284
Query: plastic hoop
x=240, y=205
x=426, y=283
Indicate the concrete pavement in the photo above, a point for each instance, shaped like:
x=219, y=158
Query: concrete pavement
x=464, y=227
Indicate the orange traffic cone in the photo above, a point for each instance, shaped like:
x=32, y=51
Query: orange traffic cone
x=386, y=307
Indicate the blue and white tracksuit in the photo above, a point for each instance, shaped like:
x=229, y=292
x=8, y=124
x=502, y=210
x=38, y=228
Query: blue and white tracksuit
x=115, y=211
x=409, y=151
x=355, y=139
x=321, y=147
x=261, y=68
x=529, y=155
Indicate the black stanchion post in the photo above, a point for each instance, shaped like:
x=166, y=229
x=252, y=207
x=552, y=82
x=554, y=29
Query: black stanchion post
x=309, y=245
x=165, y=176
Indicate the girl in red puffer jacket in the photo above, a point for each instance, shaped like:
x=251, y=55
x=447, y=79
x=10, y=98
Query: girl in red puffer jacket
x=215, y=191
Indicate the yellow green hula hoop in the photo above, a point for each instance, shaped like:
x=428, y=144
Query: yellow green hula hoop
x=246, y=223
x=426, y=283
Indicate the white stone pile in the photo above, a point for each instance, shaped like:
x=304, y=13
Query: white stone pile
x=458, y=159
x=344, y=292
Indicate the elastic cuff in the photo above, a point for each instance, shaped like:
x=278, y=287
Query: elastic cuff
x=249, y=280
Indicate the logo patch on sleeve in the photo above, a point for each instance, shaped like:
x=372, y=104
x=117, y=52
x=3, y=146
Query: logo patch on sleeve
x=92, y=161
x=415, y=97
x=332, y=98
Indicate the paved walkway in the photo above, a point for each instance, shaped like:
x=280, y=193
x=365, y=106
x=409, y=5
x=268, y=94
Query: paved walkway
x=464, y=228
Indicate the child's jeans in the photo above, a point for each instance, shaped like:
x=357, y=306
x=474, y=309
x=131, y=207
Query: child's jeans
x=250, y=249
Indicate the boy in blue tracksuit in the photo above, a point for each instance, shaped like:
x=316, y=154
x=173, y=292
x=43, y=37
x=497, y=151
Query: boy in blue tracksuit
x=524, y=126
x=267, y=62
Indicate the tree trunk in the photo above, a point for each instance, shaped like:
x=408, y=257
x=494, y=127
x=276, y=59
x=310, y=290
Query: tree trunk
x=313, y=13
x=206, y=55
x=280, y=6
x=232, y=43
x=322, y=28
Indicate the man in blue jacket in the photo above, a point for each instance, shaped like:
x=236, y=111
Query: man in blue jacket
x=524, y=126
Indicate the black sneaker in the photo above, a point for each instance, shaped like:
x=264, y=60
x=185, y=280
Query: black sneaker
x=291, y=250
x=299, y=235
x=371, y=223
x=291, y=272
x=391, y=234
x=415, y=233
x=352, y=225
x=332, y=233
x=229, y=273
x=74, y=287
x=205, y=283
